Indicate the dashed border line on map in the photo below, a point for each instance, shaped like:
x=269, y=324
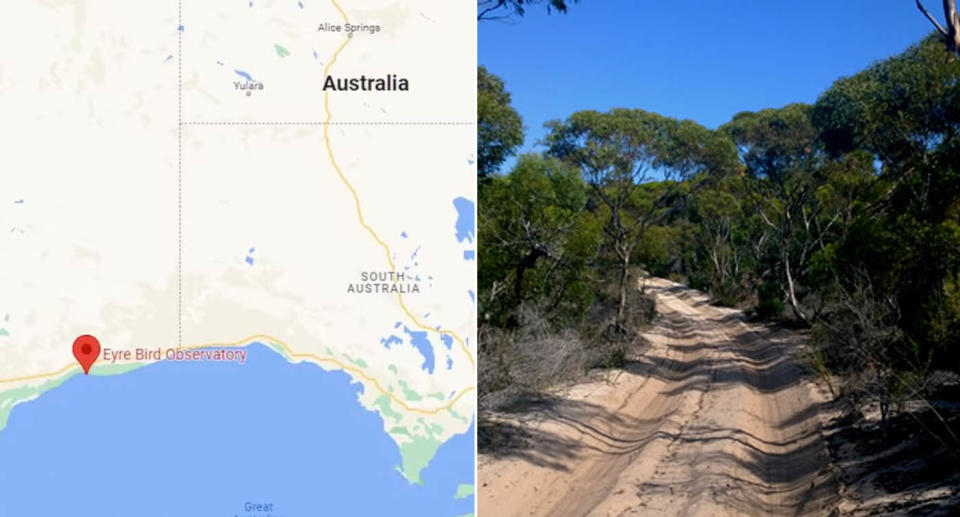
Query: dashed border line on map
x=179, y=173
x=181, y=123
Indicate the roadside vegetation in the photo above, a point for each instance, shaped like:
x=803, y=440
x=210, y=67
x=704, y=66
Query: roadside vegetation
x=841, y=217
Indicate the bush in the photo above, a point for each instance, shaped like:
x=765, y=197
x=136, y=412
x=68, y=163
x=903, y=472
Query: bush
x=530, y=357
x=698, y=281
x=769, y=305
x=540, y=351
x=617, y=357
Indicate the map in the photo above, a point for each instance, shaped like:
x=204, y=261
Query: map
x=253, y=222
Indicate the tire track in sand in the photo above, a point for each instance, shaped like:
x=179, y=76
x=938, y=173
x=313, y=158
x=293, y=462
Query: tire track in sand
x=714, y=419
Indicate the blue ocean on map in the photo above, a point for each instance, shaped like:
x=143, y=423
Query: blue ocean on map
x=204, y=439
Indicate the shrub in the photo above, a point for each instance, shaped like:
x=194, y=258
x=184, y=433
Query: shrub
x=769, y=305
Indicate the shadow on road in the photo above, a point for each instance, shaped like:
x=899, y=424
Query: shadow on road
x=699, y=350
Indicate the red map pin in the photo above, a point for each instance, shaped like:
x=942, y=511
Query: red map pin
x=86, y=349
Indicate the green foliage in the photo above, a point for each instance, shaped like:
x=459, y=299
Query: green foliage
x=499, y=127
x=537, y=239
x=621, y=153
x=774, y=143
x=617, y=358
x=770, y=304
x=843, y=216
x=815, y=359
x=633, y=145
x=898, y=109
x=657, y=248
x=902, y=114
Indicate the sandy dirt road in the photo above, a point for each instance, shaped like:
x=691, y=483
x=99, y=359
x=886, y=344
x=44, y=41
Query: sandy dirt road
x=713, y=419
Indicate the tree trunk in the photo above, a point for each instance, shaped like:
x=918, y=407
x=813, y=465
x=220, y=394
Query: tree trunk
x=951, y=34
x=526, y=263
x=791, y=290
x=622, y=309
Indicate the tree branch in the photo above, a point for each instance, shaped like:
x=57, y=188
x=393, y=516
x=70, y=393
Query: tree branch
x=931, y=18
x=951, y=34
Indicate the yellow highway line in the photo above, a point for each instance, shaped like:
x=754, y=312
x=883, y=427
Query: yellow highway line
x=324, y=359
x=61, y=371
x=291, y=354
x=356, y=202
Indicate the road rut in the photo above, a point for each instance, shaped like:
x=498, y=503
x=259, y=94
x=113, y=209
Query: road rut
x=715, y=418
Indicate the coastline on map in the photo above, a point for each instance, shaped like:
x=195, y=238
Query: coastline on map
x=228, y=406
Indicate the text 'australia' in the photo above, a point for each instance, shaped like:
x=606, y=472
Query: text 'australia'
x=387, y=83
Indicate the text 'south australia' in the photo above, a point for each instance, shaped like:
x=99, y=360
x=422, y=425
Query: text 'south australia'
x=384, y=282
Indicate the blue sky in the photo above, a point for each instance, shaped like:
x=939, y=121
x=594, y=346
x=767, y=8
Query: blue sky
x=704, y=60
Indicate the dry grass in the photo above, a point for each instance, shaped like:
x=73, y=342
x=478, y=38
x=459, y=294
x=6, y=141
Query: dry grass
x=538, y=354
x=531, y=358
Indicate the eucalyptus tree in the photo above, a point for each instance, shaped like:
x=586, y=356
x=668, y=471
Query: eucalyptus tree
x=905, y=113
x=532, y=220
x=499, y=126
x=639, y=166
x=778, y=149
